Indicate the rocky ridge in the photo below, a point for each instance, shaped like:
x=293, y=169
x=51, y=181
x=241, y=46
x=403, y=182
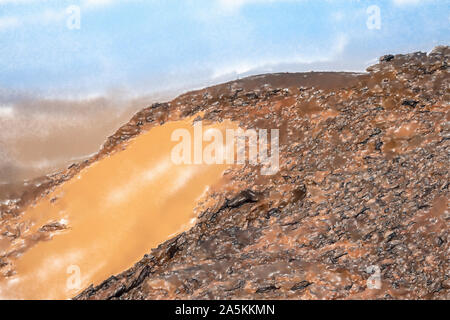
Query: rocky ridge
x=363, y=185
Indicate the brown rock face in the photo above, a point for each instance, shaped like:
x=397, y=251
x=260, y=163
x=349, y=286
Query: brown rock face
x=358, y=210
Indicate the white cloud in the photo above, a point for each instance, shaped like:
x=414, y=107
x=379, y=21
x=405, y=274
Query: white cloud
x=9, y=23
x=84, y=3
x=244, y=66
x=44, y=17
x=6, y=111
x=48, y=16
x=338, y=16
x=98, y=3
x=234, y=5
x=408, y=2
x=17, y=1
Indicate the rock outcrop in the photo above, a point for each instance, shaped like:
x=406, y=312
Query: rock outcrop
x=363, y=189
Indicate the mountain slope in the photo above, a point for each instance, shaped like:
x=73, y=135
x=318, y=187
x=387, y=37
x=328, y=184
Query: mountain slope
x=362, y=188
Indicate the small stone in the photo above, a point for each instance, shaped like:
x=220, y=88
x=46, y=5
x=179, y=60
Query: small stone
x=244, y=197
x=387, y=58
x=410, y=103
x=301, y=285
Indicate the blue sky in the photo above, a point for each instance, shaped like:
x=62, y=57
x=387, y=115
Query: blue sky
x=154, y=45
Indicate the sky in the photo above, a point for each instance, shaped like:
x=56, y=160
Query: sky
x=92, y=47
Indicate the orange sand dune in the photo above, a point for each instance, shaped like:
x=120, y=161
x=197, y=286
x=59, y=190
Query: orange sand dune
x=114, y=212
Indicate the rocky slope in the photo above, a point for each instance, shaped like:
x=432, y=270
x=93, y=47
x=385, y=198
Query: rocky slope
x=363, y=186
